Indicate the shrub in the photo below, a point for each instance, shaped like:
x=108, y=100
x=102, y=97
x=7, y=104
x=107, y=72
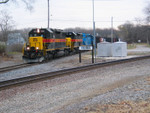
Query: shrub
x=15, y=48
x=2, y=47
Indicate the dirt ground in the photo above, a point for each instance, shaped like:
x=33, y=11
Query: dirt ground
x=124, y=106
x=8, y=60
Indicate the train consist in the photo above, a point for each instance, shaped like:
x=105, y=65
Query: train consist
x=43, y=43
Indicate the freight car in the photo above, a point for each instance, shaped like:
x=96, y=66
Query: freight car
x=87, y=39
x=107, y=39
x=43, y=43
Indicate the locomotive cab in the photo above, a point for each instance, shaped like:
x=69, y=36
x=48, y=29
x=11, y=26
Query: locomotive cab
x=34, y=50
x=69, y=39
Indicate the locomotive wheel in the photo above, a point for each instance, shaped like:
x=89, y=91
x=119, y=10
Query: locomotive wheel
x=48, y=56
x=54, y=54
x=66, y=52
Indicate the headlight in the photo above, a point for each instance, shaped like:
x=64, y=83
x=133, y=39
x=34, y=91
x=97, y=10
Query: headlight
x=38, y=30
x=37, y=47
x=28, y=48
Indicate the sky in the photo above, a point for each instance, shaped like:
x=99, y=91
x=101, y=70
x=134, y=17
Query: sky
x=76, y=13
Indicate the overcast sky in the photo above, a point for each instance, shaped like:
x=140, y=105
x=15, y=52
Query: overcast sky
x=76, y=13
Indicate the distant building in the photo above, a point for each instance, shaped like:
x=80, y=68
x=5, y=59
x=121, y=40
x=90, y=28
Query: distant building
x=15, y=38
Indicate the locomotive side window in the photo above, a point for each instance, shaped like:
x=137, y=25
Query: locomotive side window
x=51, y=35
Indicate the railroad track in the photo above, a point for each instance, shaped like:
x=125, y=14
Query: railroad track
x=9, y=68
x=5, y=69
x=60, y=73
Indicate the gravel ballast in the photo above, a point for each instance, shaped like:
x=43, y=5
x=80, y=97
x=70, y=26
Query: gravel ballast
x=72, y=93
x=52, y=65
x=121, y=88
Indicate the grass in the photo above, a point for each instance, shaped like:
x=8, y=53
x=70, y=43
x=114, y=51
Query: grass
x=148, y=45
x=13, y=53
x=139, y=54
x=131, y=46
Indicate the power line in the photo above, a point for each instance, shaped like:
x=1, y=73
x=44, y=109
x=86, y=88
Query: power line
x=78, y=21
x=95, y=20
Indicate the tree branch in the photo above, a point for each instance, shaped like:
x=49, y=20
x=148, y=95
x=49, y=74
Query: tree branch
x=3, y=1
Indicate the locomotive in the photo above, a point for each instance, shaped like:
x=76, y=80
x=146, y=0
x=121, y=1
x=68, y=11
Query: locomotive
x=43, y=43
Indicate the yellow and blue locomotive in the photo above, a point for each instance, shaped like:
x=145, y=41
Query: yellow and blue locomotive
x=44, y=42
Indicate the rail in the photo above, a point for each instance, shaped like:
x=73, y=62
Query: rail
x=9, y=68
x=50, y=75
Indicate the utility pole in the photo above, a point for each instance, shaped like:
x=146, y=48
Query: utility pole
x=48, y=15
x=94, y=32
x=112, y=30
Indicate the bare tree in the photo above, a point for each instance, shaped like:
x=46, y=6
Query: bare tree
x=147, y=28
x=6, y=24
x=126, y=31
x=24, y=33
x=28, y=3
x=147, y=12
x=3, y=1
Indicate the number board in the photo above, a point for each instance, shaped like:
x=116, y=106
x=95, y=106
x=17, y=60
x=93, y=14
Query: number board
x=35, y=40
x=85, y=47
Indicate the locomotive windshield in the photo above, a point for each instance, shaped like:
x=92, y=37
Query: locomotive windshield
x=71, y=34
x=41, y=32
